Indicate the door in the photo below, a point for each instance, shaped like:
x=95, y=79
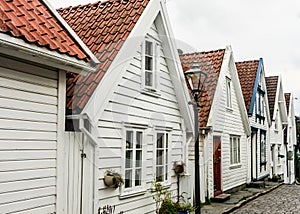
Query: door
x=217, y=165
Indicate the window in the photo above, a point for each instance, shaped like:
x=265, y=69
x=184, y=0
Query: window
x=263, y=153
x=149, y=64
x=260, y=106
x=235, y=156
x=134, y=158
x=228, y=93
x=162, y=156
x=276, y=122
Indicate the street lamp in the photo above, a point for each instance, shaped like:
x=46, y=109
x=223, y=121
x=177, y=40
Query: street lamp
x=196, y=79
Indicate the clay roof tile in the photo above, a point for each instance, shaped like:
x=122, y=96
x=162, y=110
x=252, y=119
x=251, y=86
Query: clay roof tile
x=32, y=21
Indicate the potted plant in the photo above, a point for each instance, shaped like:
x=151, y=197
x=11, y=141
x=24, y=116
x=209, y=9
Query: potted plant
x=179, y=167
x=184, y=207
x=164, y=203
x=113, y=179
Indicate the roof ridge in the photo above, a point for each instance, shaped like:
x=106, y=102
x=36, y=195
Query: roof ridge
x=248, y=61
x=89, y=4
x=204, y=52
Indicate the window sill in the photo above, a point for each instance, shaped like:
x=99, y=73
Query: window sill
x=228, y=109
x=132, y=193
x=236, y=166
x=151, y=92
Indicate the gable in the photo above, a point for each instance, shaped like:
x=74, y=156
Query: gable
x=103, y=27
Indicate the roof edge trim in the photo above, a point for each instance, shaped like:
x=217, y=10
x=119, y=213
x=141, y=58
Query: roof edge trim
x=18, y=47
x=93, y=58
x=259, y=68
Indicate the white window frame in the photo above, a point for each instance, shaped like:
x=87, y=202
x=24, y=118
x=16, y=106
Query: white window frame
x=228, y=93
x=134, y=189
x=166, y=162
x=235, y=150
x=155, y=67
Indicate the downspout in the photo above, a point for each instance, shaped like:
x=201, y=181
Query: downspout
x=251, y=149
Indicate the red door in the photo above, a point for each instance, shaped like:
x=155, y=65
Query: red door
x=217, y=165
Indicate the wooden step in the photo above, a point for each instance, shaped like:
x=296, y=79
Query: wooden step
x=221, y=198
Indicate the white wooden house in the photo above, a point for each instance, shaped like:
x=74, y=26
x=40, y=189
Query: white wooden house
x=279, y=118
x=133, y=113
x=290, y=139
x=223, y=120
x=252, y=79
x=36, y=49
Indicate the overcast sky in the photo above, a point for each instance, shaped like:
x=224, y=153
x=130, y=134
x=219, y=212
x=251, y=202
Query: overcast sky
x=254, y=28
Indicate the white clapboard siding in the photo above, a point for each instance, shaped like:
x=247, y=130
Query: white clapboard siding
x=28, y=137
x=129, y=105
x=73, y=172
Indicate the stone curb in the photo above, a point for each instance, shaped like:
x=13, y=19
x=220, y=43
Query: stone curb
x=242, y=202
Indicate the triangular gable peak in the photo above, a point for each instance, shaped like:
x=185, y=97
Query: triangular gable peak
x=103, y=27
x=114, y=31
x=213, y=63
x=252, y=79
x=276, y=97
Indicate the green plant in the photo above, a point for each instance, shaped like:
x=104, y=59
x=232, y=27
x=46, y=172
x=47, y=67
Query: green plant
x=164, y=203
x=159, y=193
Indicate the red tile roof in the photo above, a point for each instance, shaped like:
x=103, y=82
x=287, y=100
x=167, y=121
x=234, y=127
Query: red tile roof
x=287, y=101
x=32, y=21
x=103, y=27
x=247, y=71
x=210, y=63
x=272, y=83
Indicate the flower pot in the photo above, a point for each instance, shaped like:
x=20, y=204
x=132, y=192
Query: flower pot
x=179, y=169
x=109, y=180
x=182, y=212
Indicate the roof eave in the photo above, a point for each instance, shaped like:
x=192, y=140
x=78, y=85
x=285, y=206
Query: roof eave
x=18, y=48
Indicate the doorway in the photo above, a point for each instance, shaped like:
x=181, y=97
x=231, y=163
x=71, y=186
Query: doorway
x=217, y=158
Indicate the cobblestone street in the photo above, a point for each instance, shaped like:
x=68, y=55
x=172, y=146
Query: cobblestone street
x=284, y=199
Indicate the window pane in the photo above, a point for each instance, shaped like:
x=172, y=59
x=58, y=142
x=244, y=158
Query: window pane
x=148, y=78
x=138, y=177
x=128, y=178
x=149, y=48
x=159, y=173
x=159, y=157
x=167, y=140
x=166, y=172
x=129, y=139
x=138, y=162
x=128, y=162
x=166, y=156
x=139, y=139
x=159, y=143
x=149, y=63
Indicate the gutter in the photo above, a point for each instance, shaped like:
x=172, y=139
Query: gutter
x=17, y=47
